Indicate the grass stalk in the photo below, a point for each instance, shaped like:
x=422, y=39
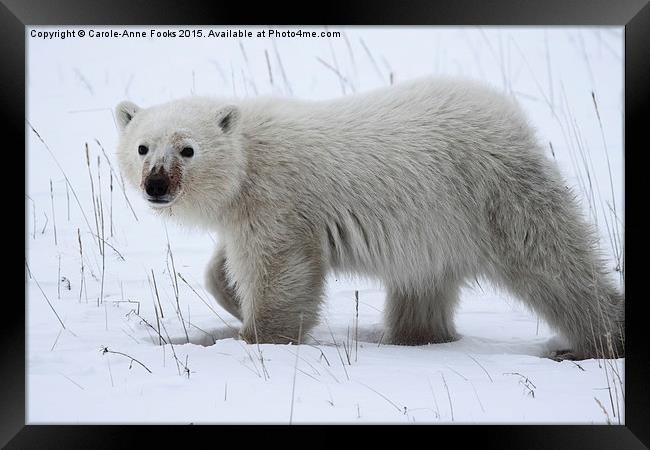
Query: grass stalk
x=67, y=180
x=67, y=200
x=92, y=192
x=105, y=350
x=451, y=406
x=82, y=281
x=295, y=370
x=121, y=183
x=45, y=296
x=155, y=286
x=356, y=326
x=58, y=280
x=53, y=215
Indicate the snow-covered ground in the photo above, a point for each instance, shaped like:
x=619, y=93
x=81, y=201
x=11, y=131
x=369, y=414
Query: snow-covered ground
x=495, y=373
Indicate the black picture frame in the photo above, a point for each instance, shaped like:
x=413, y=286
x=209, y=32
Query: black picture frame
x=634, y=15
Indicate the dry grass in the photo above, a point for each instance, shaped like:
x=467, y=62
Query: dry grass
x=31, y=276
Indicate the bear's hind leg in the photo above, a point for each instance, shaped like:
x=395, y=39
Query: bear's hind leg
x=217, y=284
x=546, y=253
x=581, y=304
x=421, y=317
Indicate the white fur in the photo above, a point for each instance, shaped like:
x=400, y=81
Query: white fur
x=423, y=185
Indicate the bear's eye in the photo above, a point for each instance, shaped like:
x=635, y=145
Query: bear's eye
x=187, y=152
x=143, y=149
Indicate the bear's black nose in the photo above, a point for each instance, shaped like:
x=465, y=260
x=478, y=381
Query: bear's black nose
x=157, y=185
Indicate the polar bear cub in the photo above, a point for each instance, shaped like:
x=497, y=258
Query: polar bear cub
x=423, y=185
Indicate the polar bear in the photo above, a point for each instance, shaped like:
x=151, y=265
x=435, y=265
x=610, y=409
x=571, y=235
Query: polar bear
x=423, y=185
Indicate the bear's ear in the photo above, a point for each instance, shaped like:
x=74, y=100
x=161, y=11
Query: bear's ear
x=124, y=112
x=228, y=117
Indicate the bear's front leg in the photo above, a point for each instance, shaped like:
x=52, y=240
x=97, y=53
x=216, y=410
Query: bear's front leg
x=217, y=283
x=282, y=300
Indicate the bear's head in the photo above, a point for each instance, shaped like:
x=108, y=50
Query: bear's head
x=186, y=154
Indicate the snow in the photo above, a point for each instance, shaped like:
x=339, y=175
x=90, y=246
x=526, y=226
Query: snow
x=496, y=373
